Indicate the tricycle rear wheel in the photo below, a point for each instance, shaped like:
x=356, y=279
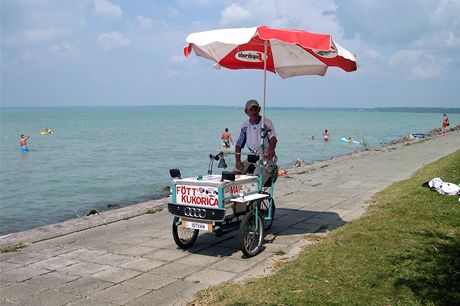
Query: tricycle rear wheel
x=183, y=237
x=251, y=236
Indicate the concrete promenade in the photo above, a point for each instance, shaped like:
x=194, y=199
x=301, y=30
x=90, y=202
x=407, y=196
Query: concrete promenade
x=128, y=256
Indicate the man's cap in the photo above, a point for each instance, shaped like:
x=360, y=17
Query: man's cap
x=251, y=103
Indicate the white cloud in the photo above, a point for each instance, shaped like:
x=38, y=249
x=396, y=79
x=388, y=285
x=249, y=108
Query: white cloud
x=315, y=16
x=112, y=40
x=416, y=64
x=404, y=57
x=146, y=24
x=425, y=72
x=373, y=54
x=107, y=8
x=40, y=35
x=234, y=15
x=65, y=49
x=452, y=40
x=25, y=56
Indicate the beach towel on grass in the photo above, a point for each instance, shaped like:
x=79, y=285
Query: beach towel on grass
x=436, y=184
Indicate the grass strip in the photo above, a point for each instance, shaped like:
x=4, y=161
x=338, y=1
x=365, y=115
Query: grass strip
x=404, y=251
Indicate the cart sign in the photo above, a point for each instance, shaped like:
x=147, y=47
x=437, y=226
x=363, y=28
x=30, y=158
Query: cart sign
x=235, y=190
x=197, y=195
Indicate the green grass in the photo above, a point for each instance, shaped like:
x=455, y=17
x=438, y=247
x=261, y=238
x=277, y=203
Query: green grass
x=404, y=251
x=14, y=248
x=154, y=210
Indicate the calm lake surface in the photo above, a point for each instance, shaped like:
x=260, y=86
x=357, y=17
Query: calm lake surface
x=103, y=158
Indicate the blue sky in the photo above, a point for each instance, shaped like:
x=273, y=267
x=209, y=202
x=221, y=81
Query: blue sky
x=129, y=52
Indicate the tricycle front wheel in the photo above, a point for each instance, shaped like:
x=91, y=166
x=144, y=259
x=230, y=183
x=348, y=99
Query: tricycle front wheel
x=251, y=234
x=183, y=237
x=266, y=214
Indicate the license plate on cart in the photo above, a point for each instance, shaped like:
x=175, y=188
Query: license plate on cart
x=197, y=225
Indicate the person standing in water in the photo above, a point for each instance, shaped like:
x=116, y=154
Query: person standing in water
x=326, y=135
x=226, y=139
x=23, y=143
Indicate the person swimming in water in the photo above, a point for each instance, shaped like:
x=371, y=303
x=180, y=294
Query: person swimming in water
x=23, y=143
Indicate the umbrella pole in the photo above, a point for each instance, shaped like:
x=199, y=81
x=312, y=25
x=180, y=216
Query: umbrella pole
x=262, y=135
x=265, y=81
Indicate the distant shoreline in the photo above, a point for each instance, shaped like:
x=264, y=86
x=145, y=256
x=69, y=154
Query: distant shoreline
x=405, y=109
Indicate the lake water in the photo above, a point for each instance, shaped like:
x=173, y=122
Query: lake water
x=102, y=158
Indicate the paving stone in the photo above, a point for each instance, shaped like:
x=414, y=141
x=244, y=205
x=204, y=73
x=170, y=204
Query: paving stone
x=53, y=279
x=177, y=293
x=233, y=265
x=162, y=243
x=8, y=255
x=84, y=286
x=115, y=274
x=43, y=298
x=197, y=260
x=6, y=303
x=112, y=259
x=233, y=243
x=136, y=251
x=143, y=264
x=27, y=258
x=215, y=251
x=289, y=236
x=175, y=270
x=149, y=281
x=119, y=294
x=263, y=268
x=103, y=245
x=16, y=292
x=50, y=250
x=55, y=263
x=6, y=266
x=27, y=294
x=23, y=273
x=85, y=268
x=210, y=276
x=90, y=302
x=166, y=255
x=306, y=227
x=4, y=283
x=84, y=254
x=131, y=240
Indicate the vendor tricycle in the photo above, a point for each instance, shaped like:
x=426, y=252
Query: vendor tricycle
x=225, y=202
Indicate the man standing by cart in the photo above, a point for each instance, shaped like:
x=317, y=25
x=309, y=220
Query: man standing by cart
x=250, y=135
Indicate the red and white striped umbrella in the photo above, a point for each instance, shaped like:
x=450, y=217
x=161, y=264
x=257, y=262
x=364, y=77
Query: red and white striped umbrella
x=285, y=52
